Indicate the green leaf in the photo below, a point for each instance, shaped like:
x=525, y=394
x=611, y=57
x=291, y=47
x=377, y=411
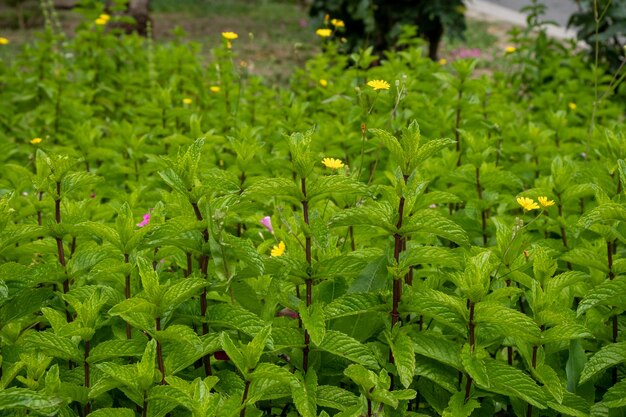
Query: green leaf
x=605, y=212
x=334, y=184
x=404, y=357
x=172, y=179
x=273, y=187
x=616, y=395
x=16, y=398
x=432, y=222
x=235, y=317
x=610, y=292
x=458, y=407
x=363, y=377
x=113, y=412
x=149, y=280
x=391, y=143
x=572, y=405
x=447, y=310
x=373, y=214
x=313, y=321
x=430, y=255
x=609, y=355
x=352, y=304
x=374, y=277
x=234, y=353
x=343, y=345
x=117, y=348
x=440, y=374
x=506, y=321
x=182, y=291
x=304, y=392
x=254, y=350
x=438, y=348
x=145, y=367
x=53, y=345
x=565, y=331
x=507, y=380
x=335, y=397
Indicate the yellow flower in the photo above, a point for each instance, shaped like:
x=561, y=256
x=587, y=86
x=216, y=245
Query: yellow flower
x=443, y=61
x=379, y=84
x=104, y=16
x=323, y=33
x=323, y=82
x=187, y=100
x=510, y=49
x=527, y=203
x=279, y=249
x=572, y=106
x=332, y=163
x=35, y=141
x=229, y=36
x=545, y=202
x=101, y=22
x=3, y=41
x=338, y=23
x=214, y=89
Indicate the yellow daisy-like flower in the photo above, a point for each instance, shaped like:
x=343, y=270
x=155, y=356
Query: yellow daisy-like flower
x=103, y=19
x=187, y=100
x=323, y=82
x=229, y=36
x=279, y=249
x=379, y=84
x=323, y=33
x=214, y=89
x=4, y=41
x=442, y=61
x=527, y=203
x=332, y=163
x=36, y=141
x=572, y=106
x=510, y=49
x=338, y=23
x=545, y=202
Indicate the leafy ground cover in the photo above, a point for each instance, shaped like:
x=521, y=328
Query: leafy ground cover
x=408, y=239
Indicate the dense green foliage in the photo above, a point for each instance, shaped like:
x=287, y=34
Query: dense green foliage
x=137, y=277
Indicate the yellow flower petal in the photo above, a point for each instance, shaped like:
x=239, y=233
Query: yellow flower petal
x=323, y=33
x=338, y=23
x=36, y=141
x=323, y=82
x=545, y=202
x=379, y=84
x=278, y=250
x=214, y=89
x=443, y=61
x=572, y=106
x=229, y=36
x=527, y=203
x=187, y=100
x=4, y=41
x=510, y=49
x=332, y=163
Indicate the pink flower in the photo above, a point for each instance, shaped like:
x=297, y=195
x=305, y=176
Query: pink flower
x=287, y=312
x=146, y=220
x=267, y=223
